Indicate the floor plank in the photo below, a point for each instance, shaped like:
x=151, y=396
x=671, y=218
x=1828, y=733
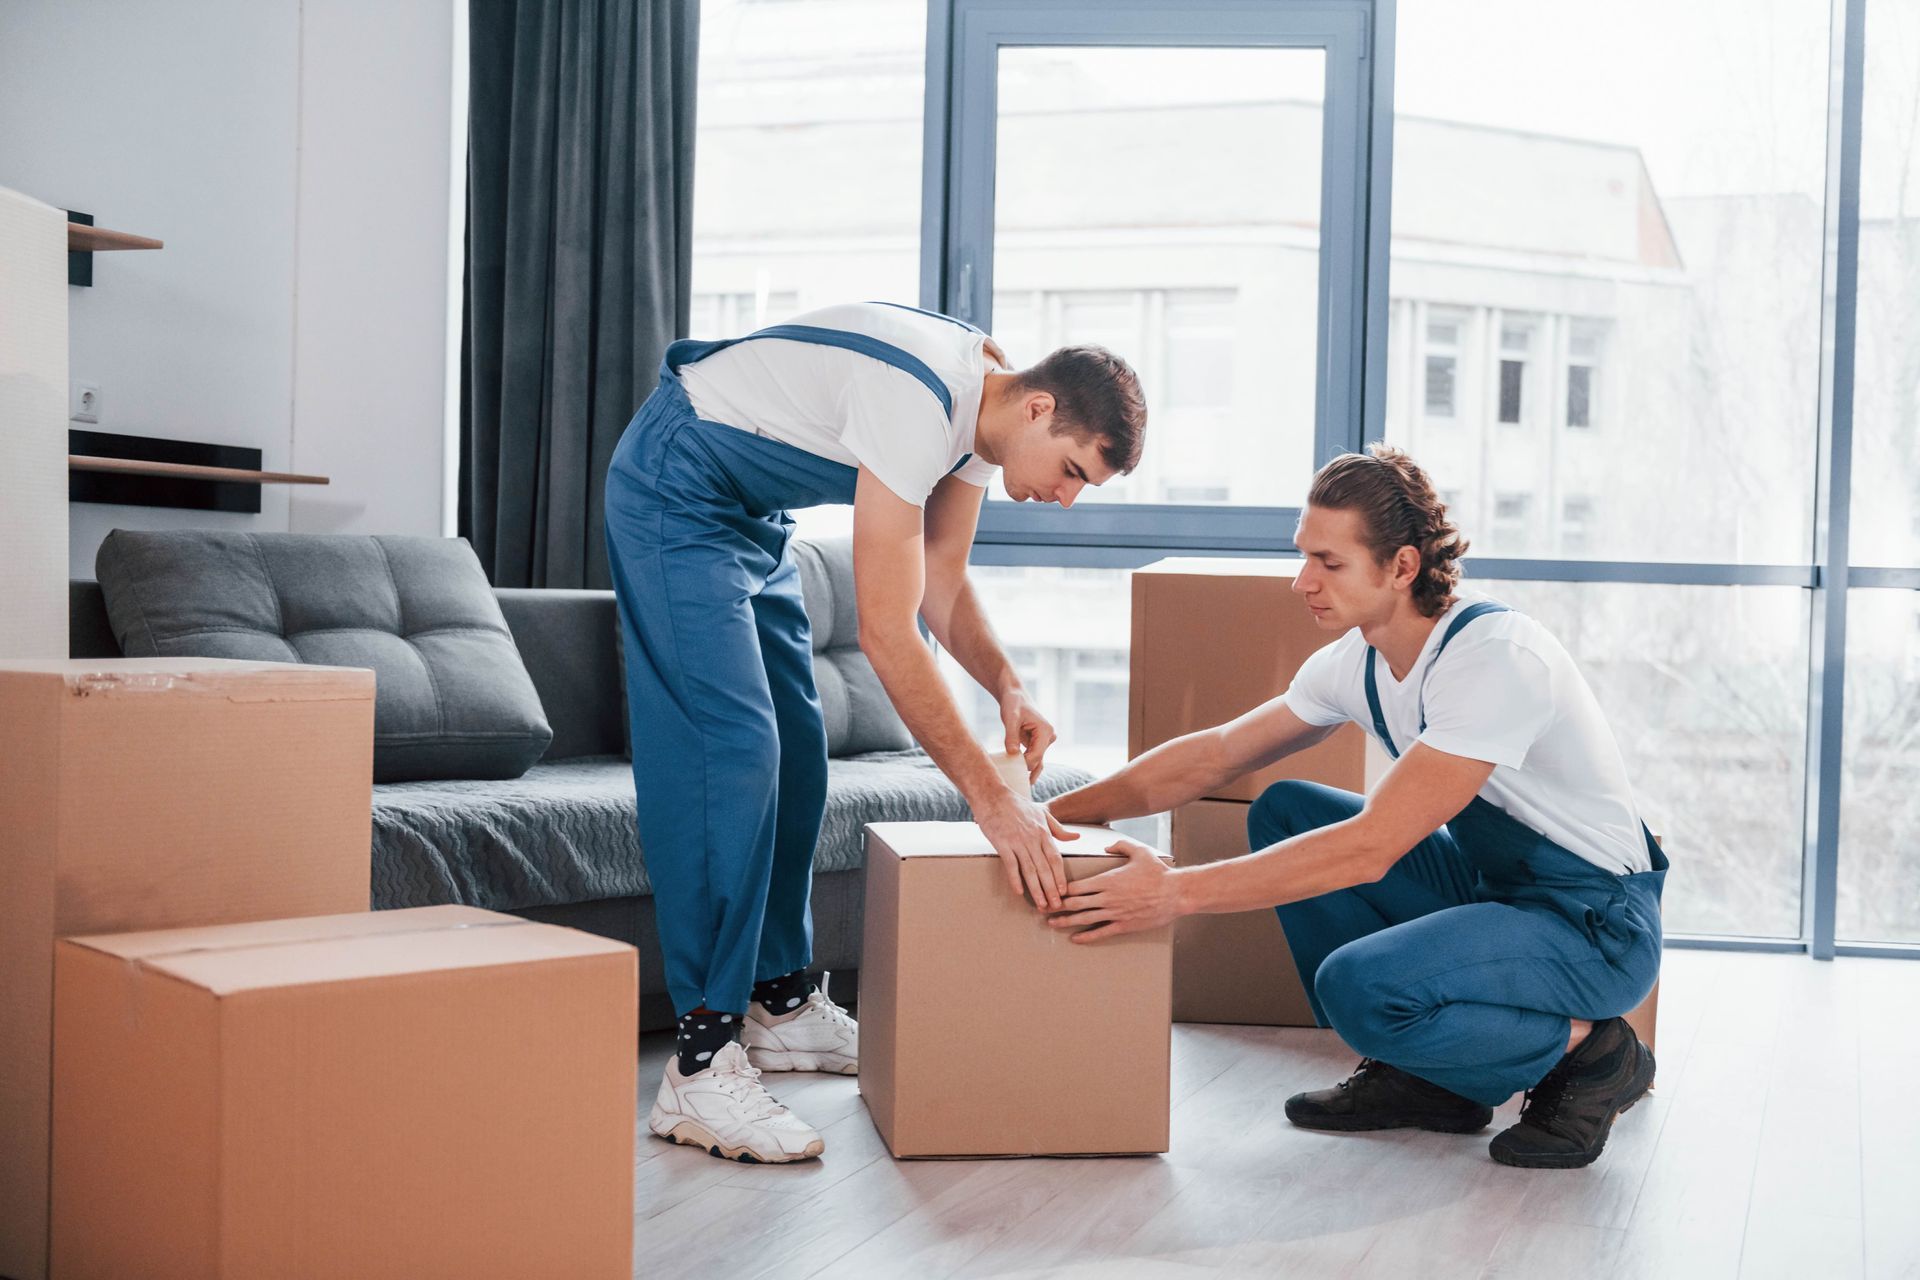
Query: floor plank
x=1780, y=1140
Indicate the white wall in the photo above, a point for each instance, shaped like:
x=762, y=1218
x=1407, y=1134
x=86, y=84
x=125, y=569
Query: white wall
x=33, y=436
x=296, y=159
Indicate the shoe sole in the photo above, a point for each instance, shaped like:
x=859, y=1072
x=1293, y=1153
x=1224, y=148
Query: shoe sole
x=1642, y=1083
x=786, y=1060
x=1363, y=1124
x=691, y=1133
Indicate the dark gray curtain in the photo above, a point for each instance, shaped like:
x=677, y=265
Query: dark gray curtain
x=579, y=254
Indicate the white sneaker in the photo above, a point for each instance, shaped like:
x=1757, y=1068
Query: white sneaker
x=726, y=1110
x=816, y=1036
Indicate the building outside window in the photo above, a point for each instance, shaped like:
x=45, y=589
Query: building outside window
x=1583, y=372
x=1442, y=364
x=1516, y=360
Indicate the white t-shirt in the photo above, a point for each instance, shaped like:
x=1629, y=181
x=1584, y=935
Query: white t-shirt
x=853, y=408
x=1506, y=692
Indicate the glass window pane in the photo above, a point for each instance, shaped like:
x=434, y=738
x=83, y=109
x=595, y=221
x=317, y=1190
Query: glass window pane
x=1880, y=793
x=1068, y=632
x=1705, y=689
x=1440, y=386
x=806, y=185
x=1165, y=203
x=1886, y=390
x=1668, y=240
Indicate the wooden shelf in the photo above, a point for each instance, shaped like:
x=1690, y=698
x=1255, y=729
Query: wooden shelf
x=185, y=471
x=85, y=239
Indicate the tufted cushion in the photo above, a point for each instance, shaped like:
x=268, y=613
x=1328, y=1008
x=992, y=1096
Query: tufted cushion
x=859, y=714
x=452, y=700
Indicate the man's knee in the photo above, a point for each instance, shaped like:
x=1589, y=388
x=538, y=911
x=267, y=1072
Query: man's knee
x=1356, y=996
x=1290, y=807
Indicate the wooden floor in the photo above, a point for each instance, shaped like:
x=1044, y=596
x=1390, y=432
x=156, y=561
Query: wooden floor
x=1782, y=1139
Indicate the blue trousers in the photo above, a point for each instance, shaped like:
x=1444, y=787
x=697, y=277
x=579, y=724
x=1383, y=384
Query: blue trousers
x=729, y=747
x=1456, y=966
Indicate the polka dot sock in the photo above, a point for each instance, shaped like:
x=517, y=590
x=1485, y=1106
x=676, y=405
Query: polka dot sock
x=704, y=1033
x=782, y=995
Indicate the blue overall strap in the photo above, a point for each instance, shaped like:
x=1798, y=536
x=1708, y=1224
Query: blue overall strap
x=885, y=352
x=1476, y=610
x=936, y=315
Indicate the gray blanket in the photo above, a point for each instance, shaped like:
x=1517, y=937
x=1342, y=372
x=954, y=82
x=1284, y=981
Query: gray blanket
x=564, y=831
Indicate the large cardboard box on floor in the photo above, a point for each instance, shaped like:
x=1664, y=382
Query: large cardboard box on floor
x=441, y=1091
x=1238, y=968
x=957, y=973
x=1213, y=639
x=1230, y=968
x=147, y=794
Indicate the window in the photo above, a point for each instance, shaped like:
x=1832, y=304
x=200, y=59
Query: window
x=806, y=186
x=1516, y=350
x=1879, y=897
x=1576, y=520
x=1164, y=202
x=1583, y=358
x=1886, y=388
x=728, y=315
x=1068, y=632
x=1185, y=345
x=1442, y=365
x=1510, y=512
x=1667, y=245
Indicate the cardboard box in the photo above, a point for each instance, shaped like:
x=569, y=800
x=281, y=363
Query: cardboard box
x=955, y=969
x=1213, y=639
x=434, y=1092
x=1237, y=968
x=154, y=793
x=1230, y=968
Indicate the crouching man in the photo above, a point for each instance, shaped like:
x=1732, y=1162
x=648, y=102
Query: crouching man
x=1477, y=925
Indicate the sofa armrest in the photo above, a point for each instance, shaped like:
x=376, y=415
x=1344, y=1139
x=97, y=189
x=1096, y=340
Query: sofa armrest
x=568, y=640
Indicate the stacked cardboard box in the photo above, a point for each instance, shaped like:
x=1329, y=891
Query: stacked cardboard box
x=955, y=968
x=440, y=1091
x=1213, y=639
x=152, y=793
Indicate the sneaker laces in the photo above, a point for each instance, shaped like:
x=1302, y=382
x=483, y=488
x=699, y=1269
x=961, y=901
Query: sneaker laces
x=823, y=1004
x=740, y=1080
x=1541, y=1104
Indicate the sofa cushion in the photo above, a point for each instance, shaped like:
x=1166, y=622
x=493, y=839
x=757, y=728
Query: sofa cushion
x=452, y=697
x=564, y=832
x=859, y=714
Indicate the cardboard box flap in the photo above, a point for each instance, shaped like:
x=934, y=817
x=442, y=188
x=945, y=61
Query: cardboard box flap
x=1227, y=566
x=964, y=840
x=314, y=949
x=227, y=678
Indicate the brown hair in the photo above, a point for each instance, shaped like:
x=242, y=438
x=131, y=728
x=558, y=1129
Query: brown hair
x=1398, y=508
x=1096, y=395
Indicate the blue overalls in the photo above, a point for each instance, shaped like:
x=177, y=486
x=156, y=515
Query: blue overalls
x=1465, y=962
x=729, y=748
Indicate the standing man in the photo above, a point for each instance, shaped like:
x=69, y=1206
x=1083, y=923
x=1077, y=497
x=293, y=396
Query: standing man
x=906, y=415
x=1477, y=925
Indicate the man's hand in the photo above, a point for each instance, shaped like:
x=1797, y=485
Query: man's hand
x=1143, y=894
x=1022, y=833
x=1027, y=730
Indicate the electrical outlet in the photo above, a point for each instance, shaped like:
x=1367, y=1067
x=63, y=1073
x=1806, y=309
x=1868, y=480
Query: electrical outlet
x=86, y=402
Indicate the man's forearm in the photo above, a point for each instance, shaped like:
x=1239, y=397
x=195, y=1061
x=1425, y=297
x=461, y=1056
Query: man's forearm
x=1170, y=775
x=912, y=680
x=960, y=625
x=1305, y=866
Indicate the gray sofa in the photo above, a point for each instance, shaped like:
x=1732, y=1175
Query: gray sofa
x=558, y=843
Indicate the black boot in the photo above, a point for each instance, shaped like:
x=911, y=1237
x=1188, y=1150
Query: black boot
x=1567, y=1116
x=1379, y=1096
